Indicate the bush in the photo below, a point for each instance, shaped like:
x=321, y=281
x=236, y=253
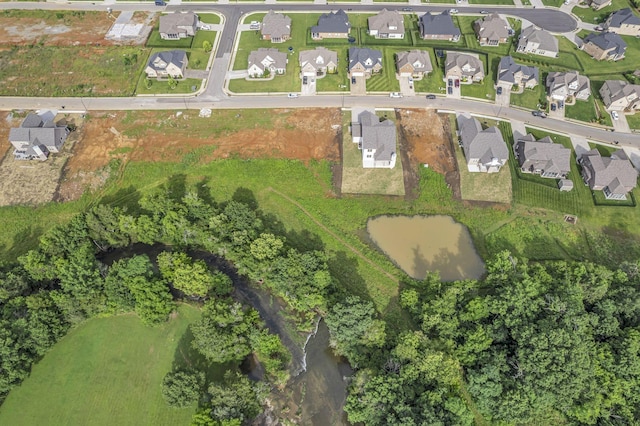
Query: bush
x=182, y=388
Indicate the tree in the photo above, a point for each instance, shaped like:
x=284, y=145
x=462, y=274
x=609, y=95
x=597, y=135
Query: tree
x=266, y=247
x=236, y=399
x=119, y=278
x=206, y=45
x=153, y=300
x=182, y=388
x=192, y=278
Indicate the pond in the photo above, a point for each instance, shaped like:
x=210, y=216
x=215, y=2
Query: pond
x=421, y=244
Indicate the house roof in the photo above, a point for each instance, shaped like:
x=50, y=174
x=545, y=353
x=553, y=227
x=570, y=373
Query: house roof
x=384, y=21
x=160, y=60
x=368, y=58
x=268, y=57
x=378, y=135
x=276, y=25
x=169, y=24
x=615, y=172
x=492, y=27
x=318, y=57
x=456, y=59
x=37, y=131
x=332, y=22
x=483, y=144
x=561, y=82
x=32, y=120
x=419, y=60
x=622, y=17
x=543, y=154
x=607, y=41
x=543, y=38
x=508, y=68
x=600, y=2
x=615, y=90
x=438, y=24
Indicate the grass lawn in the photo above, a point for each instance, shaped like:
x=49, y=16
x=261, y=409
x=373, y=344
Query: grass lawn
x=434, y=81
x=582, y=110
x=553, y=3
x=159, y=87
x=500, y=2
x=590, y=16
x=71, y=71
x=209, y=18
x=634, y=120
x=356, y=180
x=529, y=98
x=108, y=371
x=493, y=187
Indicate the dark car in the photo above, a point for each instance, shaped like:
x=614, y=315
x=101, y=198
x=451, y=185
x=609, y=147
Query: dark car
x=304, y=80
x=431, y=96
x=499, y=91
x=407, y=9
x=450, y=90
x=457, y=83
x=353, y=80
x=450, y=83
x=553, y=107
x=560, y=104
x=160, y=3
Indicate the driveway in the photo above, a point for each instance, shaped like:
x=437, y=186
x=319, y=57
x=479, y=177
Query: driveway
x=406, y=88
x=360, y=87
x=580, y=145
x=621, y=125
x=200, y=74
x=505, y=98
x=308, y=89
x=558, y=114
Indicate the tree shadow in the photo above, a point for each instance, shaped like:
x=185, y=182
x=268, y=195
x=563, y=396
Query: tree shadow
x=27, y=238
x=176, y=186
x=125, y=197
x=246, y=196
x=204, y=193
x=344, y=271
x=304, y=240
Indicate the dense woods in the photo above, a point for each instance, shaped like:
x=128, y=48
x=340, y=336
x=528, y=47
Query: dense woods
x=532, y=343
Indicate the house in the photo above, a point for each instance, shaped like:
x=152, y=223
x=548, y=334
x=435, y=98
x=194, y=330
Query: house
x=387, y=24
x=465, y=67
x=178, y=25
x=609, y=46
x=484, y=150
x=413, y=63
x=615, y=175
x=512, y=74
x=171, y=63
x=623, y=22
x=598, y=4
x=563, y=85
x=364, y=62
x=438, y=27
x=542, y=157
x=376, y=139
x=491, y=30
x=276, y=27
x=266, y=61
x=331, y=25
x=619, y=95
x=538, y=42
x=37, y=136
x=318, y=62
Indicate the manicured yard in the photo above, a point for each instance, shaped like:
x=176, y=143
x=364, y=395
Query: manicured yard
x=157, y=87
x=529, y=98
x=590, y=16
x=108, y=371
x=434, y=82
x=582, y=111
x=634, y=120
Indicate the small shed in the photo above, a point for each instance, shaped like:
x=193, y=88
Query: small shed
x=565, y=184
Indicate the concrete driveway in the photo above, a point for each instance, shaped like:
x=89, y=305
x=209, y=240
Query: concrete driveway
x=406, y=88
x=558, y=114
x=360, y=86
x=621, y=125
x=505, y=98
x=308, y=89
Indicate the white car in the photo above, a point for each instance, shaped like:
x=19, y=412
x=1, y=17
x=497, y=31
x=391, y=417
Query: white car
x=614, y=114
x=292, y=95
x=453, y=11
x=395, y=95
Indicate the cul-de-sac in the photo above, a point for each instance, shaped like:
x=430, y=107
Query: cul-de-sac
x=316, y=212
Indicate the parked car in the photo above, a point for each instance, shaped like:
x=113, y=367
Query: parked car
x=407, y=9
x=254, y=25
x=560, y=104
x=499, y=91
x=450, y=83
x=292, y=95
x=484, y=12
x=353, y=80
x=431, y=96
x=305, y=80
x=614, y=114
x=453, y=11
x=553, y=107
x=457, y=83
x=395, y=95
x=160, y=3
x=450, y=90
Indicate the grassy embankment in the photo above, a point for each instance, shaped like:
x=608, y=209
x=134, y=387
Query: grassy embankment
x=108, y=371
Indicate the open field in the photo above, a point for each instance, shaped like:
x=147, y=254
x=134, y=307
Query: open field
x=107, y=371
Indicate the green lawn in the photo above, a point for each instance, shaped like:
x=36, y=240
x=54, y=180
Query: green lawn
x=634, y=120
x=159, y=87
x=434, y=81
x=582, y=110
x=590, y=16
x=108, y=371
x=529, y=98
x=553, y=3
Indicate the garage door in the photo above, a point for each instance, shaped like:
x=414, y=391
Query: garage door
x=357, y=74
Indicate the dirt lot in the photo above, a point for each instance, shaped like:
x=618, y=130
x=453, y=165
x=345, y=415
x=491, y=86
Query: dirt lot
x=62, y=28
x=426, y=139
x=169, y=136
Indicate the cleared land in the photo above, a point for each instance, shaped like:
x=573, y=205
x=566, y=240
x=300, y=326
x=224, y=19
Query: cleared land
x=108, y=371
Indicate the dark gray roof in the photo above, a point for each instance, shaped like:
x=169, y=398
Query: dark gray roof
x=160, y=60
x=276, y=25
x=332, y=22
x=622, y=16
x=606, y=41
x=378, y=135
x=508, y=68
x=483, y=144
x=615, y=172
x=440, y=24
x=360, y=55
x=615, y=90
x=543, y=155
x=32, y=120
x=36, y=132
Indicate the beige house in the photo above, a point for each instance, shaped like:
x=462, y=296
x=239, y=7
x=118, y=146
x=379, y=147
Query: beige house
x=624, y=22
x=387, y=24
x=604, y=46
x=178, y=25
x=413, y=63
x=563, y=85
x=542, y=157
x=276, y=27
x=537, y=42
x=615, y=176
x=318, y=62
x=466, y=67
x=167, y=64
x=619, y=95
x=491, y=30
x=266, y=61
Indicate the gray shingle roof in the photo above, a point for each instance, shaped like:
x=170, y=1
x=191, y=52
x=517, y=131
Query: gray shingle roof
x=159, y=60
x=508, y=68
x=169, y=23
x=615, y=172
x=37, y=132
x=618, y=89
x=360, y=55
x=606, y=41
x=385, y=20
x=278, y=59
x=438, y=24
x=318, y=57
x=544, y=39
x=492, y=27
x=543, y=155
x=332, y=22
x=378, y=135
x=419, y=60
x=483, y=144
x=620, y=17
x=276, y=25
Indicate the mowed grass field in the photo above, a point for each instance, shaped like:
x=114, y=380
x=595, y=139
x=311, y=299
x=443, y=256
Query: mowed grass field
x=108, y=371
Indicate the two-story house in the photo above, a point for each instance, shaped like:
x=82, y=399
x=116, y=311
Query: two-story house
x=413, y=63
x=537, y=42
x=484, y=150
x=563, y=85
x=512, y=74
x=491, y=30
x=624, y=22
x=466, y=67
x=276, y=27
x=172, y=63
x=387, y=24
x=542, y=157
x=332, y=25
x=377, y=140
x=620, y=95
x=318, y=62
x=438, y=26
x=175, y=26
x=37, y=136
x=364, y=62
x=604, y=46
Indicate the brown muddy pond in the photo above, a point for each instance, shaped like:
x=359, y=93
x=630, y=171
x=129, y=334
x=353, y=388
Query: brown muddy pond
x=421, y=244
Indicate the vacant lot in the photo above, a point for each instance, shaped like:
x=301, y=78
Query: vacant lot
x=108, y=371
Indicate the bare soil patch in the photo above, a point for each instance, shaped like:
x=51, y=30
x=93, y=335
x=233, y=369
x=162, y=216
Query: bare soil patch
x=426, y=139
x=63, y=28
x=305, y=134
